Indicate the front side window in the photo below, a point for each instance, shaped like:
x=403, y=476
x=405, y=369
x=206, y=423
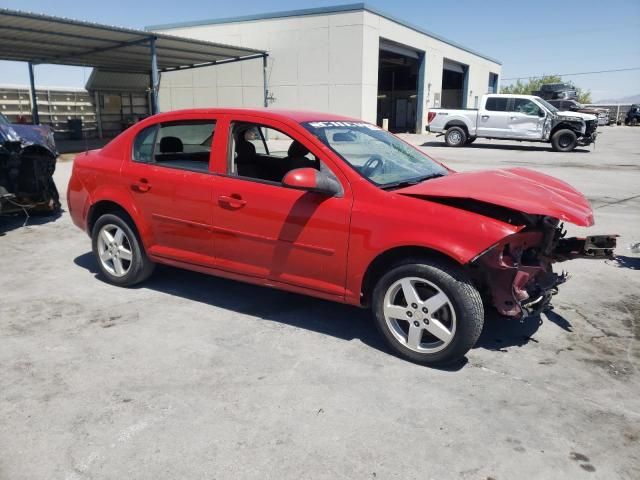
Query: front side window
x=497, y=104
x=376, y=154
x=525, y=106
x=184, y=145
x=262, y=153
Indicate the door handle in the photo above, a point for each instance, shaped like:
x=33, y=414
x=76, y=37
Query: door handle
x=484, y=117
x=141, y=186
x=233, y=201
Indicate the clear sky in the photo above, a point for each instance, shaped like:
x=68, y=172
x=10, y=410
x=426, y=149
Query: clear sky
x=530, y=38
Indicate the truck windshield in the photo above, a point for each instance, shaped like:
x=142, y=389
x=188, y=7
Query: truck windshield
x=377, y=155
x=547, y=105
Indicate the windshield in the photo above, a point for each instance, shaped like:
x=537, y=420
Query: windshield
x=547, y=105
x=377, y=155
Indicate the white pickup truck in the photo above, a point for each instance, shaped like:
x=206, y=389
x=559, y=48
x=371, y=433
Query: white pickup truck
x=514, y=117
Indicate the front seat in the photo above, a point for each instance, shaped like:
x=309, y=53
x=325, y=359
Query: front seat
x=297, y=157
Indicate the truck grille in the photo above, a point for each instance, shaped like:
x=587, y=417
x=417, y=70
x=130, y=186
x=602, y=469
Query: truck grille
x=591, y=125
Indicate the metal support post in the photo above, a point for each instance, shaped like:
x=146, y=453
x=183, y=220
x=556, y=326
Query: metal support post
x=35, y=118
x=264, y=81
x=155, y=80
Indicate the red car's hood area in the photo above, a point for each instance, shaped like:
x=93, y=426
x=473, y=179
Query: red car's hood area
x=520, y=189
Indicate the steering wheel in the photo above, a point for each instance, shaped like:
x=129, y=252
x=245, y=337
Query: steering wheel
x=372, y=165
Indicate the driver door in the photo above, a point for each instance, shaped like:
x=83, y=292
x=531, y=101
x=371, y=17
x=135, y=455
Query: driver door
x=525, y=120
x=266, y=230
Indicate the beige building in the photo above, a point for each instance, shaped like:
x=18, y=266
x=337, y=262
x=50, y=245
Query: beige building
x=350, y=60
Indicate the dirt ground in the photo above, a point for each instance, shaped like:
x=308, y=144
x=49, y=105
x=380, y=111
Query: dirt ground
x=191, y=376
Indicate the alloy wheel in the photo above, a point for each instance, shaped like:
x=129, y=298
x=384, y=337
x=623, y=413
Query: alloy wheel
x=114, y=250
x=419, y=315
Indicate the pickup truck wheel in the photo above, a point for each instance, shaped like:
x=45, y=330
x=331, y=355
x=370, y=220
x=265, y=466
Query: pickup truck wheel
x=428, y=313
x=119, y=252
x=634, y=122
x=455, y=137
x=564, y=140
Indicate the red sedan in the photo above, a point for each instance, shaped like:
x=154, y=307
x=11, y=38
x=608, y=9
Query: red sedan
x=334, y=208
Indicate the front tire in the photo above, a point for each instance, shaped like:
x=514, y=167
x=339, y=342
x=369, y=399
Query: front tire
x=455, y=137
x=119, y=252
x=428, y=312
x=564, y=140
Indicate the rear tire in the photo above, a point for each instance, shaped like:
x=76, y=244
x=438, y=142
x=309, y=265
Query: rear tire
x=634, y=122
x=119, y=252
x=455, y=137
x=564, y=140
x=428, y=311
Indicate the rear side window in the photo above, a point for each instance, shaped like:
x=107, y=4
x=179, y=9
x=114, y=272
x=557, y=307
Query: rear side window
x=497, y=104
x=183, y=145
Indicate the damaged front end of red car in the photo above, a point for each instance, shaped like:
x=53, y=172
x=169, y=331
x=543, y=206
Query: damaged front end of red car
x=516, y=273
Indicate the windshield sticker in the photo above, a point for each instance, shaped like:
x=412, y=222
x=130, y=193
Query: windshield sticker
x=343, y=124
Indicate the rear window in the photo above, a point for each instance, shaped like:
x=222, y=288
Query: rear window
x=497, y=104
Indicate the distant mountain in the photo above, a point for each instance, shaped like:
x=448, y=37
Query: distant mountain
x=630, y=99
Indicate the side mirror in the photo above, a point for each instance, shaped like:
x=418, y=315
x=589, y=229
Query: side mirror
x=311, y=180
x=541, y=113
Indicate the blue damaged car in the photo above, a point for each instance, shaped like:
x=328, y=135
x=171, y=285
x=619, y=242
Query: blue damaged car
x=27, y=161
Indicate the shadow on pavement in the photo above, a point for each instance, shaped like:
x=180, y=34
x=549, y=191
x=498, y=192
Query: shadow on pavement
x=496, y=146
x=622, y=261
x=500, y=333
x=19, y=220
x=329, y=318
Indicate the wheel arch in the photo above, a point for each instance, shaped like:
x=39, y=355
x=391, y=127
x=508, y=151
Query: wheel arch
x=457, y=123
x=385, y=260
x=102, y=207
x=565, y=126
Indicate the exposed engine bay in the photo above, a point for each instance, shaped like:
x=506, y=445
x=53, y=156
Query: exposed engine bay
x=517, y=273
x=27, y=163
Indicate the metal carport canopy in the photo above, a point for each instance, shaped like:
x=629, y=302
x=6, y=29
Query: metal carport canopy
x=39, y=39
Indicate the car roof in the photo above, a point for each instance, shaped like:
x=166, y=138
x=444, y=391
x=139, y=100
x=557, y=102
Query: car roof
x=298, y=116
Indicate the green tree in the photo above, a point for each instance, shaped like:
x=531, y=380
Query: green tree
x=534, y=84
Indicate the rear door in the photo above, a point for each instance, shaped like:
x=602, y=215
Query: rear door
x=526, y=119
x=493, y=118
x=266, y=230
x=169, y=175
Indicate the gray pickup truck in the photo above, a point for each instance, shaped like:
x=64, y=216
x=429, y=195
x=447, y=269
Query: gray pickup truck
x=514, y=117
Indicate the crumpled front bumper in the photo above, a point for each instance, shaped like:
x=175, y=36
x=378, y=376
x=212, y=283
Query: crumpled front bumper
x=588, y=139
x=517, y=272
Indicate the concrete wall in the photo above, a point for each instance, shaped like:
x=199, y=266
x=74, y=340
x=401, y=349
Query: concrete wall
x=326, y=62
x=315, y=63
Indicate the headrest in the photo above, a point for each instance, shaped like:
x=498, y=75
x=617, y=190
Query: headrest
x=296, y=149
x=171, y=145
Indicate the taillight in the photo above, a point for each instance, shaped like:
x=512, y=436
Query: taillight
x=431, y=116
